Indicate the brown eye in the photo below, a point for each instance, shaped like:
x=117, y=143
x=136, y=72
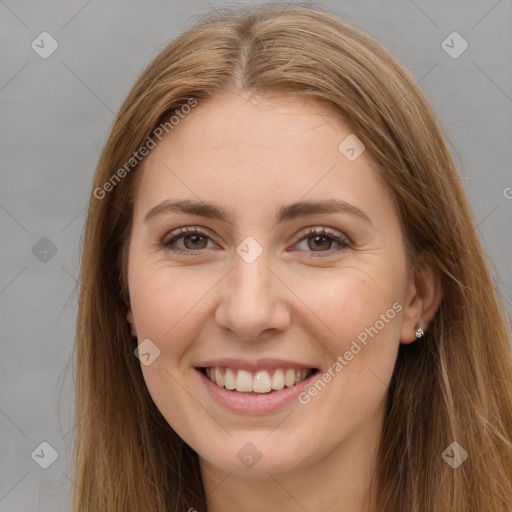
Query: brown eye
x=195, y=242
x=187, y=240
x=319, y=242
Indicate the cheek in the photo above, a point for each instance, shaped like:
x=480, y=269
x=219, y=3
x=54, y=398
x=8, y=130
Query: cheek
x=167, y=304
x=170, y=308
x=338, y=311
x=360, y=320
x=353, y=306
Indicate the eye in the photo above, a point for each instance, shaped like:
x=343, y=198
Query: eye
x=194, y=239
x=190, y=239
x=320, y=240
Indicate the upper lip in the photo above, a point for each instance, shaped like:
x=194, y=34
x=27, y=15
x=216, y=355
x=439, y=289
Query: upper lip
x=253, y=364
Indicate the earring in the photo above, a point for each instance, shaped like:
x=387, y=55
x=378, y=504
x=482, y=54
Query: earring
x=419, y=331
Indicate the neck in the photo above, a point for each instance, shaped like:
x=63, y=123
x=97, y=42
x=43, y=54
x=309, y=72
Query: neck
x=338, y=481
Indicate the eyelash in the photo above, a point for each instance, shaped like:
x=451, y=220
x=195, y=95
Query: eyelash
x=310, y=232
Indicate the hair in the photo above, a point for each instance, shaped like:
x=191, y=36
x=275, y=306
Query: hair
x=453, y=385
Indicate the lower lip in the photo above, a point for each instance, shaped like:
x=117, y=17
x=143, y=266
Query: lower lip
x=257, y=403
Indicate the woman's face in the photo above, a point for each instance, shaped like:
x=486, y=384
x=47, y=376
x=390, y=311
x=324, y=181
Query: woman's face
x=306, y=271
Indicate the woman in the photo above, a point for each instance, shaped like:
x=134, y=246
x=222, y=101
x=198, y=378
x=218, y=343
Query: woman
x=284, y=302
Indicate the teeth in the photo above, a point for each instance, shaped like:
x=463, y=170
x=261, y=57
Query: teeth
x=259, y=382
x=243, y=381
x=278, y=380
x=219, y=378
x=229, y=379
x=289, y=378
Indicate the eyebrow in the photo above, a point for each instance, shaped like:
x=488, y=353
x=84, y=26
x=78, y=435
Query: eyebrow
x=284, y=212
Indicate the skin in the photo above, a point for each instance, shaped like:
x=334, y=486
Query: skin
x=294, y=302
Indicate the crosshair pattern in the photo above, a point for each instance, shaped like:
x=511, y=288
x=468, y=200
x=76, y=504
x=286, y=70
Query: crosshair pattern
x=65, y=71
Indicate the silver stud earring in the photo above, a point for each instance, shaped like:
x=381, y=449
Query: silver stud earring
x=419, y=331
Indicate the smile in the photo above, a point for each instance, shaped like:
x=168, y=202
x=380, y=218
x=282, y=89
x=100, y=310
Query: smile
x=254, y=386
x=260, y=381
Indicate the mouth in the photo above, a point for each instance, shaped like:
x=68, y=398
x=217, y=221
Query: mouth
x=256, y=382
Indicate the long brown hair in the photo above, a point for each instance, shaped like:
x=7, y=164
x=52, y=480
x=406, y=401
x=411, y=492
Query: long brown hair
x=453, y=386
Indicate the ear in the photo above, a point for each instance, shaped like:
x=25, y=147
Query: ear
x=131, y=321
x=423, y=298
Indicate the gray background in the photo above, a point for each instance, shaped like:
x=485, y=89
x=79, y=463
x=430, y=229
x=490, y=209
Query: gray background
x=56, y=113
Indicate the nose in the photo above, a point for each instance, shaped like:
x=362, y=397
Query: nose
x=253, y=304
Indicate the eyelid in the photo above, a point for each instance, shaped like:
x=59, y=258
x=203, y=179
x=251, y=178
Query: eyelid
x=323, y=230
x=185, y=231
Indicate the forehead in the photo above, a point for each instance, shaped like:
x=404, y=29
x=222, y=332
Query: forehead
x=254, y=153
